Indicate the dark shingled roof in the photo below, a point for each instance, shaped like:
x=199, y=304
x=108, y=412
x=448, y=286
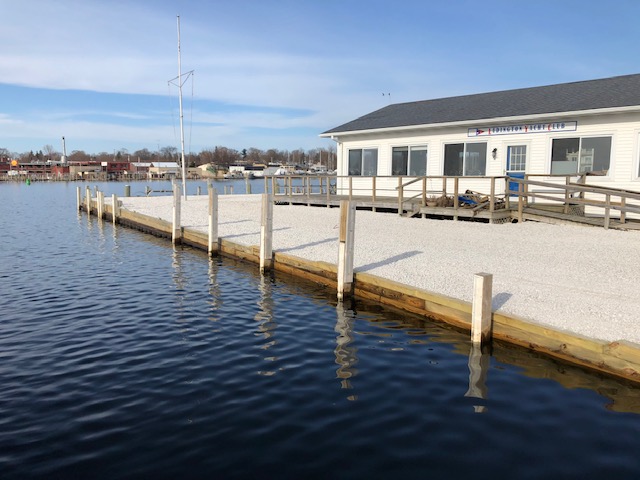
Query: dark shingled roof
x=612, y=92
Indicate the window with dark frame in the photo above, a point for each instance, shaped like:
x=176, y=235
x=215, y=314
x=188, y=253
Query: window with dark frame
x=580, y=154
x=363, y=162
x=410, y=161
x=465, y=159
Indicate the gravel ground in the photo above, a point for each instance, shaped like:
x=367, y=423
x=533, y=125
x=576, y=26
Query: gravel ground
x=574, y=278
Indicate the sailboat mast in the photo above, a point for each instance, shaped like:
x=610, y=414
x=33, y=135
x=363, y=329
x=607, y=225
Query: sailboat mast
x=184, y=164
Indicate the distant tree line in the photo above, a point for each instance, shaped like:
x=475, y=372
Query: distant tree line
x=220, y=156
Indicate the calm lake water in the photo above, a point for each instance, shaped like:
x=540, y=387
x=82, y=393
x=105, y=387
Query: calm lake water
x=122, y=357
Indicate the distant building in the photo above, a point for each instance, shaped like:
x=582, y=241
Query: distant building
x=164, y=170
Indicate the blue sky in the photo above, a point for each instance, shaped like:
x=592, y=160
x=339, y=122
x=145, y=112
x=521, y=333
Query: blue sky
x=277, y=73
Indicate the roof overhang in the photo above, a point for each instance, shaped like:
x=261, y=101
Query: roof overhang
x=484, y=121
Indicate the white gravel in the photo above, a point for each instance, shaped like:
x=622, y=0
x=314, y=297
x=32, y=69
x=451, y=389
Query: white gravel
x=575, y=278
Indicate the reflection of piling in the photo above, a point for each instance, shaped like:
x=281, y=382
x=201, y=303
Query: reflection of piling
x=345, y=353
x=478, y=368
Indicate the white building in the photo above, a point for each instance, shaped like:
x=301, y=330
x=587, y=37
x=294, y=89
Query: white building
x=589, y=126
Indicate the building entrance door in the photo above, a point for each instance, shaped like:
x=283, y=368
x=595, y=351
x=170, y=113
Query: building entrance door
x=516, y=164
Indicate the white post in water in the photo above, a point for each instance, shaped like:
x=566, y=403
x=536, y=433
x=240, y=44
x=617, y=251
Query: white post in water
x=99, y=203
x=78, y=197
x=88, y=200
x=266, y=233
x=481, y=308
x=345, y=249
x=213, y=219
x=176, y=231
x=114, y=208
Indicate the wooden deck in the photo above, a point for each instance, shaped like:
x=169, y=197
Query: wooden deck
x=545, y=213
x=559, y=200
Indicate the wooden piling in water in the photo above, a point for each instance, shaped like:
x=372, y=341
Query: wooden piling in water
x=100, y=204
x=176, y=230
x=481, y=308
x=114, y=208
x=212, y=243
x=345, y=248
x=266, y=233
x=88, y=200
x=78, y=198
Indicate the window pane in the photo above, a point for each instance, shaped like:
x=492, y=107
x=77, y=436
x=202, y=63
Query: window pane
x=564, y=155
x=370, y=162
x=517, y=158
x=399, y=160
x=595, y=154
x=355, y=162
x=453, y=159
x=475, y=159
x=418, y=161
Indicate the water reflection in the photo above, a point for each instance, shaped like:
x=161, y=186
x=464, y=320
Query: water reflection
x=345, y=352
x=214, y=290
x=264, y=317
x=478, y=368
x=179, y=280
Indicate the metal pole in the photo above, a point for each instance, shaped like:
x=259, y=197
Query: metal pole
x=184, y=165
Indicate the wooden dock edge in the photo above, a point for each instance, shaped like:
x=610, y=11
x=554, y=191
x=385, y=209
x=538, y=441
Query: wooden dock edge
x=619, y=358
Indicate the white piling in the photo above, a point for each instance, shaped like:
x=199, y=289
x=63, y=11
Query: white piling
x=114, y=208
x=213, y=219
x=481, y=308
x=266, y=233
x=176, y=230
x=88, y=200
x=100, y=204
x=345, y=249
x=78, y=197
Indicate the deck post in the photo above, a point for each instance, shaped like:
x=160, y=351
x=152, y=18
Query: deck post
x=492, y=199
x=400, y=195
x=350, y=188
x=481, y=308
x=507, y=196
x=176, y=230
x=114, y=208
x=456, y=202
x=623, y=211
x=266, y=185
x=520, y=201
x=373, y=192
x=78, y=198
x=345, y=248
x=607, y=211
x=266, y=233
x=212, y=245
x=328, y=179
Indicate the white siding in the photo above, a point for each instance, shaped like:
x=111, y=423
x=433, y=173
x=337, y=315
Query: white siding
x=623, y=128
